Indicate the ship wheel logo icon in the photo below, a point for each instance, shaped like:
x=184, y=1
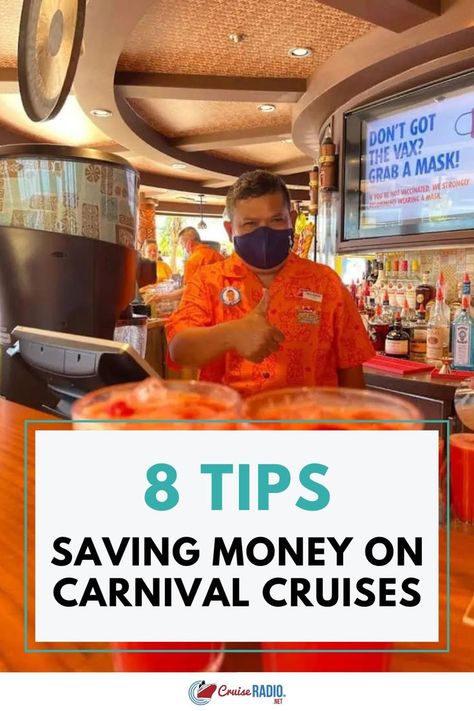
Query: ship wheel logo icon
x=201, y=693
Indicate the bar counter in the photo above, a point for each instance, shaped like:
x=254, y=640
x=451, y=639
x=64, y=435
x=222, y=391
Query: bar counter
x=13, y=657
x=434, y=397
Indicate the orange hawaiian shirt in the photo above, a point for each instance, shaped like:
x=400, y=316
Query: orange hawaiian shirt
x=308, y=302
x=201, y=256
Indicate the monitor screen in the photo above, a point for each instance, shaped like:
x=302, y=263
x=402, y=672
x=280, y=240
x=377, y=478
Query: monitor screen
x=414, y=163
x=72, y=365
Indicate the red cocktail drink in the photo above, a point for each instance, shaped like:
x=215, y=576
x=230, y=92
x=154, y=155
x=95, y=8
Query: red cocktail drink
x=345, y=409
x=462, y=476
x=172, y=405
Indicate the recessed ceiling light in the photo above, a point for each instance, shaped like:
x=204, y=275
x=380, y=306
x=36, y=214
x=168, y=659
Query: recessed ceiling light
x=101, y=113
x=236, y=37
x=179, y=166
x=266, y=108
x=300, y=52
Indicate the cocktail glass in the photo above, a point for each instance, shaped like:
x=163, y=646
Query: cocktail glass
x=462, y=475
x=153, y=399
x=346, y=405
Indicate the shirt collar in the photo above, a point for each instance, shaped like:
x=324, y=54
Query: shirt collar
x=235, y=267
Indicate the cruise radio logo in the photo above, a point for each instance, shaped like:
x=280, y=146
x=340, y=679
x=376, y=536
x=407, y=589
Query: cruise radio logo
x=201, y=693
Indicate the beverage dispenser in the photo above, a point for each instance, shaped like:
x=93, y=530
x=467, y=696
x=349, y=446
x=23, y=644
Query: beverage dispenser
x=68, y=222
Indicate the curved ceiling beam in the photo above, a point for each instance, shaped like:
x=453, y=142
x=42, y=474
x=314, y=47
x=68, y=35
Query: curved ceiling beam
x=109, y=24
x=395, y=15
x=203, y=87
x=157, y=143
x=230, y=139
x=374, y=58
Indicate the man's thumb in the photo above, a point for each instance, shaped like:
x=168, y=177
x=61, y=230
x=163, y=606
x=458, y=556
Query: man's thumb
x=264, y=303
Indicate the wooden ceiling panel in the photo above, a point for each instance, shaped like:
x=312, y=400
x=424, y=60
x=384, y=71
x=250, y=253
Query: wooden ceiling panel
x=10, y=11
x=150, y=166
x=185, y=37
x=264, y=155
x=177, y=118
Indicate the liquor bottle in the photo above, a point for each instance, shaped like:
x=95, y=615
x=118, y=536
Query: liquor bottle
x=425, y=292
x=438, y=332
x=412, y=283
x=375, y=270
x=397, y=342
x=456, y=304
x=466, y=286
x=378, y=329
x=402, y=283
x=367, y=293
x=467, y=290
x=387, y=267
x=381, y=283
x=387, y=311
x=395, y=264
x=441, y=284
x=418, y=336
x=368, y=269
x=463, y=337
x=407, y=315
x=392, y=293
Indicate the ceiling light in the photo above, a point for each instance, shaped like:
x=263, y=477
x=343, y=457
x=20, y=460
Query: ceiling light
x=300, y=52
x=201, y=224
x=266, y=108
x=236, y=37
x=287, y=140
x=179, y=166
x=101, y=113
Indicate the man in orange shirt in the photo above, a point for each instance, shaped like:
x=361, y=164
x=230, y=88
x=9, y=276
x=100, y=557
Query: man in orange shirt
x=198, y=255
x=265, y=318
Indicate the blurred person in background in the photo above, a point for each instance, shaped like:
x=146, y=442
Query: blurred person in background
x=150, y=251
x=197, y=254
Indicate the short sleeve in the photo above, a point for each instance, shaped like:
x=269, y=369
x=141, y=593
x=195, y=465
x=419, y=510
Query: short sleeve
x=195, y=309
x=353, y=346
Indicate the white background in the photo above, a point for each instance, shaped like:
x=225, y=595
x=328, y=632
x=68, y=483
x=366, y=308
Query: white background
x=92, y=483
x=335, y=692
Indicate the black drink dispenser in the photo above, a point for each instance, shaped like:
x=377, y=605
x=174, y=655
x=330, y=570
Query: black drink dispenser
x=67, y=250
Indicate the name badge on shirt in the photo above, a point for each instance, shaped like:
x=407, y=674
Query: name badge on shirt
x=307, y=315
x=311, y=296
x=230, y=296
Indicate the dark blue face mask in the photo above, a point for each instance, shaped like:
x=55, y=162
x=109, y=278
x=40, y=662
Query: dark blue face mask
x=264, y=248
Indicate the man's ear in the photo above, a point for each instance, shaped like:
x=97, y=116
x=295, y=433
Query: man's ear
x=228, y=229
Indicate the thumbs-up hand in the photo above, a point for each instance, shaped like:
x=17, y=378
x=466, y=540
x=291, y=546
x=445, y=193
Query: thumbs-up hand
x=254, y=337
x=263, y=305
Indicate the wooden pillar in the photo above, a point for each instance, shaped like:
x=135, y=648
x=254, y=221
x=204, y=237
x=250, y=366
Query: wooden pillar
x=146, y=221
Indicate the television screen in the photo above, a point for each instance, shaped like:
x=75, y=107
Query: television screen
x=414, y=164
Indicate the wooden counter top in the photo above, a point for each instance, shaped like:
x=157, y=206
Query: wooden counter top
x=13, y=658
x=416, y=383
